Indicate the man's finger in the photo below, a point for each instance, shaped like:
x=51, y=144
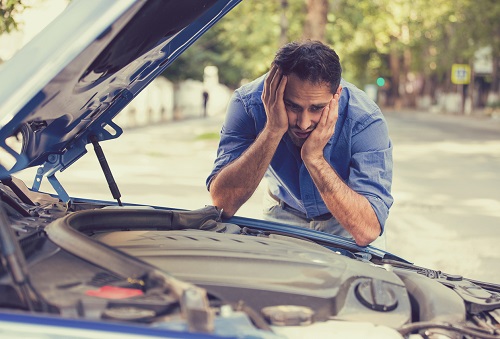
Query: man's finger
x=268, y=81
x=333, y=110
x=271, y=75
x=323, y=120
x=275, y=81
x=281, y=88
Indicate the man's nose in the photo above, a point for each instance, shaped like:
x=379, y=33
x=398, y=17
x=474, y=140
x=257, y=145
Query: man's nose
x=303, y=121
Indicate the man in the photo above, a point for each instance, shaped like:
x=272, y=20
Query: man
x=322, y=144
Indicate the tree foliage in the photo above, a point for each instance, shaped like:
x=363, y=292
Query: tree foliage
x=242, y=45
x=8, y=10
x=411, y=43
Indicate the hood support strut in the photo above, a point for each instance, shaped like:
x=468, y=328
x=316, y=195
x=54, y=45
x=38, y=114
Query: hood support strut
x=105, y=168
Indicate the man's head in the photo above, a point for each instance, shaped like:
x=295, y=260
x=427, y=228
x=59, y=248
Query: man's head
x=313, y=71
x=311, y=61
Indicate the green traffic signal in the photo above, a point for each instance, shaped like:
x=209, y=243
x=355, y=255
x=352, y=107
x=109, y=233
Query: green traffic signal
x=380, y=81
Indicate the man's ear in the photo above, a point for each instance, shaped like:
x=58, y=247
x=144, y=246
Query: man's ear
x=339, y=90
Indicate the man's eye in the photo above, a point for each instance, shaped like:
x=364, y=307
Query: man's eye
x=293, y=108
x=316, y=109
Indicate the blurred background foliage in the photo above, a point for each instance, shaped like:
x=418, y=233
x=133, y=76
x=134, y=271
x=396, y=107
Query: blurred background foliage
x=8, y=10
x=411, y=44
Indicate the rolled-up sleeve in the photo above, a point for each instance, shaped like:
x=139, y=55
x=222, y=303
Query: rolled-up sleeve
x=372, y=166
x=237, y=134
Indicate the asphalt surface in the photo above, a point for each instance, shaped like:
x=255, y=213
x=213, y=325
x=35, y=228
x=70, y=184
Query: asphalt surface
x=446, y=214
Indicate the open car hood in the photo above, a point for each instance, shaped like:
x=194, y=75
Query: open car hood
x=68, y=83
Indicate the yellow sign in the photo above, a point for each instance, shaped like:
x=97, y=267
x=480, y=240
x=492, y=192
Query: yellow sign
x=460, y=74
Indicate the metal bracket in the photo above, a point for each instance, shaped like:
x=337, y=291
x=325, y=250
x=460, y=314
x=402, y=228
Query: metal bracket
x=59, y=162
x=61, y=192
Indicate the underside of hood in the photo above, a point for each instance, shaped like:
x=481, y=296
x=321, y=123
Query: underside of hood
x=71, y=81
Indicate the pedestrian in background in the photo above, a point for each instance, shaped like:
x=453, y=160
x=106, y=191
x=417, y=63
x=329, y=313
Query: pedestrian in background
x=205, y=103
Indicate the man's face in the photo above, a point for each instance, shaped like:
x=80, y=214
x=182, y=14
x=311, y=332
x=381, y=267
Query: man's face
x=304, y=103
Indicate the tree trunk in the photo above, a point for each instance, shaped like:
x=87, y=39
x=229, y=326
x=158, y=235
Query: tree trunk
x=395, y=65
x=284, y=23
x=495, y=76
x=316, y=19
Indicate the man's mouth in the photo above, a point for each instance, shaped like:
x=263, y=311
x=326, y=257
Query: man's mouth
x=301, y=135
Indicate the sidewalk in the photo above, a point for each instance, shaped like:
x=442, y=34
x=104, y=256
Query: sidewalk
x=478, y=119
x=185, y=151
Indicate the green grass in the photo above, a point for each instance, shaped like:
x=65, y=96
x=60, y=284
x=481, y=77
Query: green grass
x=208, y=136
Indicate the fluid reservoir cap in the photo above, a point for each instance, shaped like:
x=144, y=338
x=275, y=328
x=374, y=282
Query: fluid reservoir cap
x=288, y=315
x=454, y=277
x=376, y=295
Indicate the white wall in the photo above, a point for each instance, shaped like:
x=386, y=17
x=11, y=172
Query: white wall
x=156, y=102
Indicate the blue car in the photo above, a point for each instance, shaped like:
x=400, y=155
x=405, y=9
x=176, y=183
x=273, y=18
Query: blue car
x=78, y=268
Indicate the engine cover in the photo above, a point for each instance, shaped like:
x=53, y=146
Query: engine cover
x=271, y=271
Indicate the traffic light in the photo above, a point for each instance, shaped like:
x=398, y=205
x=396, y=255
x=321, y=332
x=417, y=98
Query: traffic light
x=380, y=82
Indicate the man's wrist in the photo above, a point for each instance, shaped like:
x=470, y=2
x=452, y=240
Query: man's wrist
x=275, y=132
x=315, y=160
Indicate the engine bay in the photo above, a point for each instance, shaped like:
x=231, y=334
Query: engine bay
x=191, y=270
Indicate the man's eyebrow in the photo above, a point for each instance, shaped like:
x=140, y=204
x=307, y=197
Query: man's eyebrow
x=290, y=102
x=319, y=105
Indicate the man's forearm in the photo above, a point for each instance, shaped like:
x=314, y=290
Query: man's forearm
x=236, y=182
x=352, y=210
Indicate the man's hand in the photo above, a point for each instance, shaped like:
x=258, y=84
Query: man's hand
x=236, y=182
x=272, y=98
x=317, y=140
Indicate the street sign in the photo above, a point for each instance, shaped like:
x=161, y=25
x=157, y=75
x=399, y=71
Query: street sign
x=460, y=74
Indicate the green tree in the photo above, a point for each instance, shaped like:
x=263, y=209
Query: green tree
x=404, y=41
x=8, y=10
x=411, y=44
x=244, y=42
x=480, y=22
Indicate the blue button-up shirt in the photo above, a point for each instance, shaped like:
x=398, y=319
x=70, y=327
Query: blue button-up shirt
x=359, y=151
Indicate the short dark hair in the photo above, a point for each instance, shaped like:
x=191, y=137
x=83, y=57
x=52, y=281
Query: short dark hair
x=311, y=61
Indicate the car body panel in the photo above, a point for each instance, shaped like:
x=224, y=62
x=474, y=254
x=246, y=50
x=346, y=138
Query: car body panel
x=14, y=325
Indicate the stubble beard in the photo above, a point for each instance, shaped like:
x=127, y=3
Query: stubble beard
x=299, y=142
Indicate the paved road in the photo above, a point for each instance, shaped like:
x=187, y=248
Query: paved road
x=447, y=192
x=446, y=183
